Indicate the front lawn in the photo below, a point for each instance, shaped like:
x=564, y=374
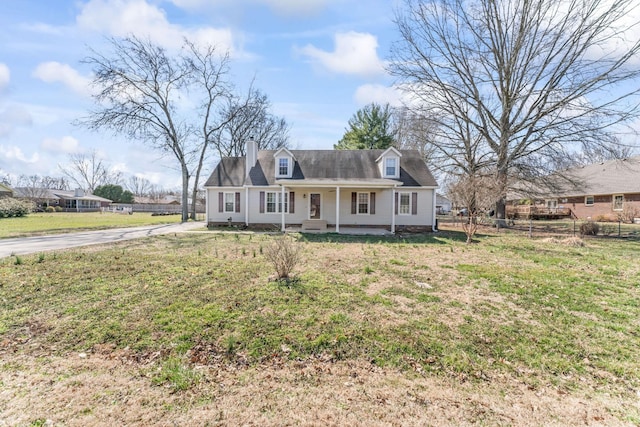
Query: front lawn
x=64, y=222
x=408, y=329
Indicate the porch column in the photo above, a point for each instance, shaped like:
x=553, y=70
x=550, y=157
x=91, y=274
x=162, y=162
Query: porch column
x=337, y=209
x=282, y=205
x=393, y=210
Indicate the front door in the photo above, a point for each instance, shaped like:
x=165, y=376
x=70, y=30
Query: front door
x=314, y=206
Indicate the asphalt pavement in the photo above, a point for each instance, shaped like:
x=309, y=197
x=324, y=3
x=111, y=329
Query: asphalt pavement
x=29, y=245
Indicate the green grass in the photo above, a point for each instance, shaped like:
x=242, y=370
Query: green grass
x=540, y=311
x=63, y=222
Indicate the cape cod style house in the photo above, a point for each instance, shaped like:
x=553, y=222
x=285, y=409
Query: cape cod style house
x=317, y=189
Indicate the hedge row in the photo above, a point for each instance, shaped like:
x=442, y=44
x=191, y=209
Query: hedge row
x=13, y=207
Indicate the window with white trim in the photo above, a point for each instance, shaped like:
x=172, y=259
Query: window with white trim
x=363, y=203
x=283, y=166
x=405, y=204
x=274, y=202
x=589, y=200
x=229, y=202
x=390, y=165
x=618, y=202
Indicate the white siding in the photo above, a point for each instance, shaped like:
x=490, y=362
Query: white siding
x=383, y=207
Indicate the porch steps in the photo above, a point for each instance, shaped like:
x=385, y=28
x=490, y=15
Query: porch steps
x=314, y=224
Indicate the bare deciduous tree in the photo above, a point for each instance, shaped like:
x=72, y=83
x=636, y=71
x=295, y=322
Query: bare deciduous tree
x=475, y=193
x=142, y=93
x=250, y=118
x=89, y=171
x=139, y=187
x=527, y=82
x=416, y=131
x=36, y=185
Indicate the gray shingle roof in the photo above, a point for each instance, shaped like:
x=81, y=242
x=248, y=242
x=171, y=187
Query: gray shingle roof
x=52, y=194
x=611, y=177
x=328, y=165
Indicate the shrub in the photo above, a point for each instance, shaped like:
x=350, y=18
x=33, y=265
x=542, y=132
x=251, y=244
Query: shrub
x=589, y=228
x=284, y=254
x=628, y=214
x=14, y=208
x=58, y=208
x=50, y=209
x=608, y=229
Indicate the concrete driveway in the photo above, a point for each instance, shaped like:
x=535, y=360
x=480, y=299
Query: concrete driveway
x=28, y=245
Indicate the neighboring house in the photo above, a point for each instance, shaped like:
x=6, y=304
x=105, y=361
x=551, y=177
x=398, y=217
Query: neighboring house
x=165, y=200
x=165, y=204
x=443, y=204
x=69, y=201
x=602, y=191
x=313, y=189
x=5, y=191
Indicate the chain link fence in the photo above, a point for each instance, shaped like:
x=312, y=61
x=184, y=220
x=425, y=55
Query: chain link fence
x=564, y=227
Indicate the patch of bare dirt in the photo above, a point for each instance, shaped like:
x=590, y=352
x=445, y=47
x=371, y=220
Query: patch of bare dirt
x=101, y=390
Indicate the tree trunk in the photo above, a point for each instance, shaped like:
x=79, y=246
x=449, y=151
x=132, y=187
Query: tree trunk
x=501, y=203
x=185, y=193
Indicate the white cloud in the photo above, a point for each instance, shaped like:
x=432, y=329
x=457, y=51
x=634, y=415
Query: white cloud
x=354, y=53
x=5, y=76
x=122, y=18
x=379, y=94
x=12, y=117
x=64, y=145
x=12, y=153
x=51, y=72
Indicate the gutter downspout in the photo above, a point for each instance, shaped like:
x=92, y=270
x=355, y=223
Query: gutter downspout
x=433, y=222
x=206, y=208
x=282, y=205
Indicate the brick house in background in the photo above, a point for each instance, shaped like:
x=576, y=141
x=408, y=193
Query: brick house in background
x=69, y=201
x=607, y=191
x=5, y=191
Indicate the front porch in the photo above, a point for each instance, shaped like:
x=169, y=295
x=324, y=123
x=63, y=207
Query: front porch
x=355, y=231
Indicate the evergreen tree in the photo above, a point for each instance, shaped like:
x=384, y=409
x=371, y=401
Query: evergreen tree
x=370, y=128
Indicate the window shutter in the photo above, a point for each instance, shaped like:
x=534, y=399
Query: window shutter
x=292, y=202
x=395, y=201
x=237, y=201
x=262, y=202
x=220, y=202
x=354, y=201
x=414, y=203
x=372, y=203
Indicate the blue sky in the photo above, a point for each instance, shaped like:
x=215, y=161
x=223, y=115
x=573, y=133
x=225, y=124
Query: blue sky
x=319, y=61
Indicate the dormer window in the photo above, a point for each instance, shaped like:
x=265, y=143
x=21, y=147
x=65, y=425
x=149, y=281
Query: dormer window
x=389, y=163
x=390, y=166
x=283, y=166
x=284, y=162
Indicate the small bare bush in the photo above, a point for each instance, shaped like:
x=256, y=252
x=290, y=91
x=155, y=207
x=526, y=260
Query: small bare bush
x=589, y=228
x=628, y=214
x=284, y=254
